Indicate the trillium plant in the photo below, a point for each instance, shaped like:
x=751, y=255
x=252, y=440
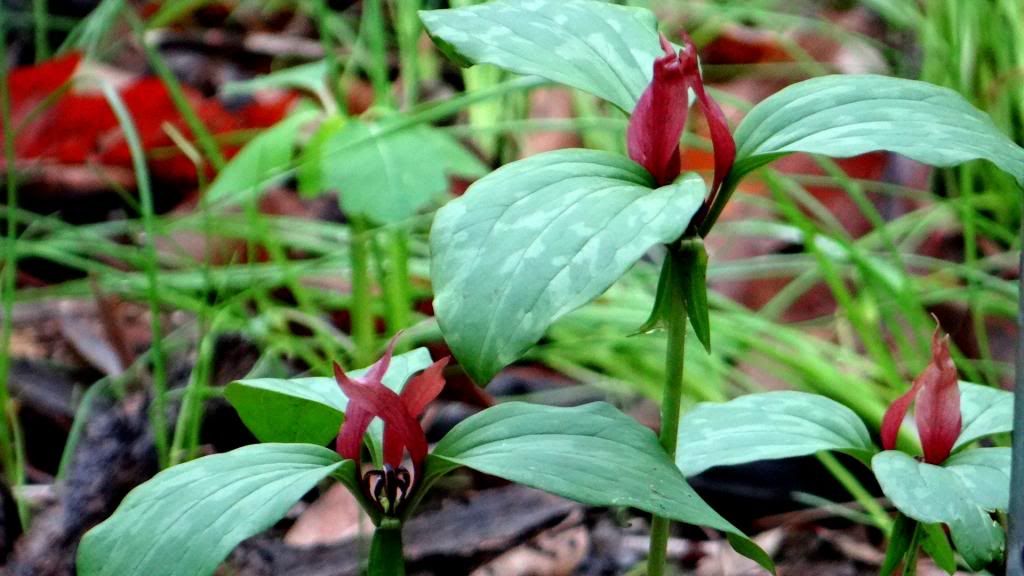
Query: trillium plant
x=942, y=479
x=540, y=237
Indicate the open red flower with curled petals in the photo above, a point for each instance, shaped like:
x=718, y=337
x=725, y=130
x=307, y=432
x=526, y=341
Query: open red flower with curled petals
x=659, y=118
x=369, y=398
x=936, y=395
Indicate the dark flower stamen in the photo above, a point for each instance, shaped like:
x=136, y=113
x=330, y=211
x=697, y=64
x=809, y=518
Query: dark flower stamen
x=369, y=398
x=390, y=489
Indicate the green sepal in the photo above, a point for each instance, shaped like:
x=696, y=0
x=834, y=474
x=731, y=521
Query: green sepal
x=659, y=312
x=900, y=539
x=936, y=545
x=684, y=274
x=693, y=275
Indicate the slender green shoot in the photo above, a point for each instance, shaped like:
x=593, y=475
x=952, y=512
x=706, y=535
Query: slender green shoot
x=672, y=399
x=361, y=308
x=41, y=15
x=158, y=409
x=10, y=435
x=207, y=143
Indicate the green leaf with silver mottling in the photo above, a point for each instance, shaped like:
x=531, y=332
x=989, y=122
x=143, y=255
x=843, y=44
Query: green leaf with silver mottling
x=598, y=47
x=388, y=175
x=539, y=238
x=934, y=494
x=986, y=474
x=308, y=410
x=848, y=115
x=188, y=518
x=593, y=454
x=261, y=162
x=985, y=411
x=768, y=426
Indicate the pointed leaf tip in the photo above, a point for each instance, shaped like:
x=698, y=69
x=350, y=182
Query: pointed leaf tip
x=721, y=137
x=424, y=387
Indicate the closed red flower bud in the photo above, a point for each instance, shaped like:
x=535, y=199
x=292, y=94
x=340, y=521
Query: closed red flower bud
x=936, y=395
x=659, y=118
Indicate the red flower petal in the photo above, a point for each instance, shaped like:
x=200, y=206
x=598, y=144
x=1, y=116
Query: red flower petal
x=401, y=429
x=721, y=137
x=937, y=412
x=349, y=444
x=659, y=119
x=380, y=367
x=894, y=416
x=424, y=387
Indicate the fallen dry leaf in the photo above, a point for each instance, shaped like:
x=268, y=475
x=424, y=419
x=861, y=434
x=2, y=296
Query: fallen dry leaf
x=334, y=517
x=722, y=560
x=554, y=552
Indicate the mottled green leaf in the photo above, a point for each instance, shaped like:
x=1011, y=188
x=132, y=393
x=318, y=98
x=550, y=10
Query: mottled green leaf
x=600, y=48
x=539, y=238
x=307, y=410
x=189, y=517
x=768, y=426
x=933, y=494
x=844, y=116
x=388, y=175
x=985, y=472
x=592, y=454
x=985, y=411
x=260, y=163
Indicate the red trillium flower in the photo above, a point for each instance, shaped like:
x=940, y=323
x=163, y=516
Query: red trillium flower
x=937, y=406
x=660, y=118
x=369, y=398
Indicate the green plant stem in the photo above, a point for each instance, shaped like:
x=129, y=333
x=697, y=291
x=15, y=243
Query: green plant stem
x=672, y=397
x=361, y=311
x=158, y=413
x=171, y=12
x=407, y=24
x=42, y=28
x=374, y=31
x=1015, y=544
x=13, y=465
x=407, y=28
x=323, y=20
x=186, y=431
x=207, y=143
x=399, y=250
x=393, y=270
x=910, y=566
x=386, y=557
x=856, y=489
